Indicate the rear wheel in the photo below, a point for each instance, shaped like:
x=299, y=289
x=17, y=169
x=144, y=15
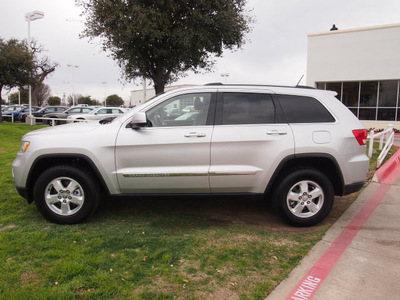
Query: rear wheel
x=304, y=197
x=66, y=194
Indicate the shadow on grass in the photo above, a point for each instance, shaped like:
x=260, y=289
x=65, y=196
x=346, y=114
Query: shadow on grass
x=205, y=211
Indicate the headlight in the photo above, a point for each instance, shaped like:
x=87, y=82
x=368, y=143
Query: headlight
x=24, y=146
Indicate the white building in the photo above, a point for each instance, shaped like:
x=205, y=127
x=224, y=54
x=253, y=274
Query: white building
x=140, y=95
x=363, y=66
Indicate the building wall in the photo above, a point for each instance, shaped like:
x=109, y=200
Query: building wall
x=139, y=96
x=365, y=56
x=371, y=53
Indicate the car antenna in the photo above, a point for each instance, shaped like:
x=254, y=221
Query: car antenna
x=300, y=80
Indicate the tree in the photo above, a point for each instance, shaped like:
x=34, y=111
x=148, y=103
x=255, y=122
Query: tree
x=41, y=93
x=23, y=95
x=161, y=40
x=22, y=65
x=87, y=100
x=42, y=68
x=16, y=63
x=54, y=100
x=114, y=100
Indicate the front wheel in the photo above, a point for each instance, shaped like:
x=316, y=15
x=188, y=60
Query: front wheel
x=66, y=194
x=304, y=197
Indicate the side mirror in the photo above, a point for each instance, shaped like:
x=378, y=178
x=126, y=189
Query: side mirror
x=139, y=120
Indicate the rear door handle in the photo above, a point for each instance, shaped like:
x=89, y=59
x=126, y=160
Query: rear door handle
x=195, y=134
x=276, y=132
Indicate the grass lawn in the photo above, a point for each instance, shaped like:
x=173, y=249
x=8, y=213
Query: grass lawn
x=146, y=248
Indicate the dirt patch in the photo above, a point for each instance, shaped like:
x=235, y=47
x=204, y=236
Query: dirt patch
x=28, y=278
x=11, y=226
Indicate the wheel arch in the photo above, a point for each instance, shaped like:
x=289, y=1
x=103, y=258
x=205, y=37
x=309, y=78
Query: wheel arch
x=44, y=162
x=325, y=163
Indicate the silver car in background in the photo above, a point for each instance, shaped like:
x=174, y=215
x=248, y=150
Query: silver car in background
x=97, y=114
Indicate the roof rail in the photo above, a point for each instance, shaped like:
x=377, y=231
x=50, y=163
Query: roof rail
x=262, y=85
x=214, y=83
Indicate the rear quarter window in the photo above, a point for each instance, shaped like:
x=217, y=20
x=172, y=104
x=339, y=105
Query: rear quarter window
x=303, y=109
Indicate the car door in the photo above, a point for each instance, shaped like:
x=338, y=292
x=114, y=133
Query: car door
x=169, y=155
x=248, y=142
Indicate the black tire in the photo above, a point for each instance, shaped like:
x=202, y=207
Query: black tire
x=66, y=195
x=304, y=197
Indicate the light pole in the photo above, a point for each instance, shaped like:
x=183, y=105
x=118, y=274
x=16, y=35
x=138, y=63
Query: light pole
x=31, y=16
x=73, y=87
x=105, y=92
x=225, y=75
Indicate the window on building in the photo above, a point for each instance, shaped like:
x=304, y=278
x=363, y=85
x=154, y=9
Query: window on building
x=335, y=86
x=369, y=100
x=367, y=113
x=350, y=94
x=368, y=94
x=388, y=93
x=388, y=114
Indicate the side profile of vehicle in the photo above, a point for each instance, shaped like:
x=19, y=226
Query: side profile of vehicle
x=25, y=112
x=64, y=115
x=97, y=114
x=296, y=147
x=45, y=110
x=13, y=110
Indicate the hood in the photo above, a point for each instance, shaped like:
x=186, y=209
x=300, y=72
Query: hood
x=73, y=128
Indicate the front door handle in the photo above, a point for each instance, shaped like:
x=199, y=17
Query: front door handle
x=276, y=132
x=195, y=134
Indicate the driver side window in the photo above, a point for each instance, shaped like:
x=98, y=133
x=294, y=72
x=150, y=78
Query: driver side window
x=182, y=110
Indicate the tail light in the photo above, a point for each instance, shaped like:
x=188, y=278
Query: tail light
x=360, y=135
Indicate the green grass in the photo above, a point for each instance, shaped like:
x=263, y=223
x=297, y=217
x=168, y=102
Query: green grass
x=145, y=248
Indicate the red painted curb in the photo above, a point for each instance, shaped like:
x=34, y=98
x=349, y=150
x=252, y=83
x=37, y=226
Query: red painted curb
x=389, y=172
x=310, y=283
x=308, y=286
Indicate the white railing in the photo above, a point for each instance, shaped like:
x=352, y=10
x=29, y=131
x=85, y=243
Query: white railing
x=385, y=137
x=54, y=120
x=9, y=116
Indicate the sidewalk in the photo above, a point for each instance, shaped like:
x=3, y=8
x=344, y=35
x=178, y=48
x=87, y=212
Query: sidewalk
x=359, y=257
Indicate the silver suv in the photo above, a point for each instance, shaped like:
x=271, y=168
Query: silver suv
x=296, y=147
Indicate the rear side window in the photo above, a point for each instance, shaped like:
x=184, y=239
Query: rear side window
x=247, y=108
x=302, y=109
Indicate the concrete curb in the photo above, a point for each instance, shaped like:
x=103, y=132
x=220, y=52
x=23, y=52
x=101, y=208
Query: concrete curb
x=389, y=171
x=351, y=249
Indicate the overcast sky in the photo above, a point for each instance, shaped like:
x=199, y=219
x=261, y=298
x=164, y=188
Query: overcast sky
x=275, y=53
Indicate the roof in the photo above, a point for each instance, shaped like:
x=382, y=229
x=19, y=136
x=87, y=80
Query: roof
x=378, y=27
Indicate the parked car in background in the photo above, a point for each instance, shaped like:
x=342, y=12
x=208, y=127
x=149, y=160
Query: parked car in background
x=98, y=114
x=25, y=112
x=80, y=109
x=48, y=109
x=13, y=110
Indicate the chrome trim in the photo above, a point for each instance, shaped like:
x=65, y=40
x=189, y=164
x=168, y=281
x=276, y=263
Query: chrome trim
x=232, y=173
x=189, y=174
x=165, y=175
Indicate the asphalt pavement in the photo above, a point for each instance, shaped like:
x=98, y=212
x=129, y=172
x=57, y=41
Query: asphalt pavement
x=359, y=257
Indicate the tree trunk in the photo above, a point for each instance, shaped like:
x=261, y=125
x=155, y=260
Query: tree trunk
x=1, y=99
x=159, y=85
